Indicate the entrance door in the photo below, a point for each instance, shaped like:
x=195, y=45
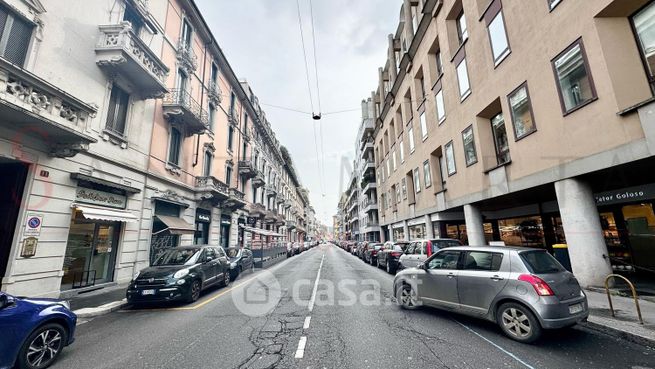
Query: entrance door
x=640, y=226
x=12, y=183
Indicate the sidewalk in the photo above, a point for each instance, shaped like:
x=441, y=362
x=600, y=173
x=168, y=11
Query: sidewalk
x=625, y=324
x=99, y=302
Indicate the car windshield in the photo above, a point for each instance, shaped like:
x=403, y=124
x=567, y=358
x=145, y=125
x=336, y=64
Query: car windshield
x=442, y=244
x=540, y=262
x=178, y=257
x=232, y=252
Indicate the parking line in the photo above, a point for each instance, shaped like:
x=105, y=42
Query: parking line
x=496, y=346
x=318, y=276
x=307, y=320
x=300, y=352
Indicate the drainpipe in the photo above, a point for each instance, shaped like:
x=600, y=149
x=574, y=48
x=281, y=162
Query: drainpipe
x=202, y=98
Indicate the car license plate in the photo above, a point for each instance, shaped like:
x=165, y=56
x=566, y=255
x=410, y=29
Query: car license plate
x=574, y=309
x=147, y=292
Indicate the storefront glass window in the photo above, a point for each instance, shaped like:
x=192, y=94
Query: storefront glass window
x=640, y=226
x=417, y=232
x=527, y=231
x=398, y=234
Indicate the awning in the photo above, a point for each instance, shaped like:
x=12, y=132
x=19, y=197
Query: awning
x=262, y=232
x=110, y=215
x=177, y=225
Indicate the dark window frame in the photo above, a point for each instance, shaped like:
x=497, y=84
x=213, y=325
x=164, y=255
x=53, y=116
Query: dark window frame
x=445, y=155
x=511, y=111
x=462, y=35
x=493, y=10
x=551, y=7
x=650, y=78
x=499, y=154
x=112, y=124
x=592, y=85
x=427, y=173
x=175, y=146
x=475, y=149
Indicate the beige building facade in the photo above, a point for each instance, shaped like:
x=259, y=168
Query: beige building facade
x=512, y=121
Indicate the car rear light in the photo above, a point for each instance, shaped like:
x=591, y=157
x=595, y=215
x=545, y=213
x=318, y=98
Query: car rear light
x=396, y=254
x=542, y=288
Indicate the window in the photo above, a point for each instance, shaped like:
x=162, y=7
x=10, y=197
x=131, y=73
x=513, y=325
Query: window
x=394, y=163
x=403, y=184
x=437, y=57
x=574, y=83
x=417, y=181
x=463, y=80
x=424, y=126
x=207, y=168
x=521, y=112
x=427, y=177
x=245, y=150
x=135, y=20
x=15, y=36
x=388, y=170
x=415, y=18
x=174, y=148
x=421, y=82
x=232, y=103
x=500, y=139
x=470, y=153
x=181, y=84
x=445, y=260
x=486, y=261
x=214, y=73
x=230, y=137
x=397, y=194
x=553, y=3
x=117, y=111
x=186, y=34
x=498, y=38
x=644, y=25
x=450, y=159
x=462, y=31
x=228, y=175
x=212, y=115
x=441, y=107
x=402, y=151
x=410, y=133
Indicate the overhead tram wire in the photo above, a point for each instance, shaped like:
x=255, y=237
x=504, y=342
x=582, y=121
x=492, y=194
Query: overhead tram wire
x=318, y=92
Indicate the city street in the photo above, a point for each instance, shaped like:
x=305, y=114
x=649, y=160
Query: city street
x=216, y=332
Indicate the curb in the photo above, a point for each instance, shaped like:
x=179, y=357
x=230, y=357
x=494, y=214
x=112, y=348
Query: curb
x=100, y=310
x=626, y=335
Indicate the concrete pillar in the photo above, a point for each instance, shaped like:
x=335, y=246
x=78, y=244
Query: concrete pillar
x=392, y=59
x=584, y=234
x=409, y=26
x=429, y=232
x=406, y=230
x=234, y=230
x=474, y=226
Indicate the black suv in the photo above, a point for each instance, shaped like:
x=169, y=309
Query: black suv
x=181, y=273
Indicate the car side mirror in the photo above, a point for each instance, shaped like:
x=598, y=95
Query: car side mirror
x=4, y=301
x=208, y=259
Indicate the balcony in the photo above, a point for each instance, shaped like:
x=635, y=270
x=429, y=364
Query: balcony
x=121, y=53
x=368, y=166
x=211, y=188
x=369, y=187
x=270, y=216
x=270, y=191
x=236, y=200
x=279, y=200
x=31, y=107
x=287, y=203
x=186, y=57
x=214, y=94
x=291, y=224
x=370, y=206
x=181, y=109
x=279, y=220
x=258, y=179
x=247, y=169
x=367, y=128
x=367, y=149
x=232, y=118
x=256, y=210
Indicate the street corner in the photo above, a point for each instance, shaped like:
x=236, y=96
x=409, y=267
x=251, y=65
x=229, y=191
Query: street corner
x=258, y=297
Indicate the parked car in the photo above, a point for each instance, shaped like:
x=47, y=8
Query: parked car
x=523, y=290
x=371, y=253
x=240, y=260
x=290, y=251
x=418, y=251
x=296, y=248
x=180, y=273
x=34, y=331
x=390, y=254
x=361, y=249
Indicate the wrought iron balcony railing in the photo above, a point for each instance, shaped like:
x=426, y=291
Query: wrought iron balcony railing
x=180, y=107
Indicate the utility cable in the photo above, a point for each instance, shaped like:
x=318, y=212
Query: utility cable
x=304, y=52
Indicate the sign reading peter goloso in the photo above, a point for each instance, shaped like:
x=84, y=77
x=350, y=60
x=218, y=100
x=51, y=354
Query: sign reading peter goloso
x=630, y=194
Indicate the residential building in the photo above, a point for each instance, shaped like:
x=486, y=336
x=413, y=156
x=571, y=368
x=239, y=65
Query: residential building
x=522, y=122
x=367, y=179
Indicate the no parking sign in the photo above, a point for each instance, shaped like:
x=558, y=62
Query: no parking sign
x=33, y=225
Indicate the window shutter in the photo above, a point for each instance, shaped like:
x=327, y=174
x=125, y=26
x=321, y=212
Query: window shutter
x=18, y=41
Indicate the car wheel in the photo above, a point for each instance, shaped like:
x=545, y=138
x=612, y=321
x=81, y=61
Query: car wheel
x=194, y=291
x=407, y=297
x=42, y=347
x=518, y=322
x=226, y=279
x=388, y=267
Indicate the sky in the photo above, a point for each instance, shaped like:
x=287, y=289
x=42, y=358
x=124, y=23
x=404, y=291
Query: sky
x=262, y=42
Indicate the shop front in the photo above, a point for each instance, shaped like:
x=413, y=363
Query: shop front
x=417, y=232
x=226, y=224
x=399, y=234
x=628, y=221
x=94, y=235
x=167, y=227
x=203, y=222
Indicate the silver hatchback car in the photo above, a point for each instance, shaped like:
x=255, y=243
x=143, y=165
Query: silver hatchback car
x=523, y=290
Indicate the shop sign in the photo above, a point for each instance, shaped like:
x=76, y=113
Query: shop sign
x=203, y=216
x=630, y=194
x=33, y=225
x=102, y=198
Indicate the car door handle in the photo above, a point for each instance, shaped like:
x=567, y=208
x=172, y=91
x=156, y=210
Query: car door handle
x=496, y=278
x=451, y=275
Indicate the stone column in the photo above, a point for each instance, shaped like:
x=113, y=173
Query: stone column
x=429, y=232
x=474, y=226
x=584, y=234
x=407, y=16
x=406, y=230
x=234, y=230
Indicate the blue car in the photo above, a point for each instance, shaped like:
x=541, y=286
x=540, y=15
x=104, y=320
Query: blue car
x=34, y=331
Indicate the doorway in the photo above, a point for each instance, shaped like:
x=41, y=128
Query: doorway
x=12, y=184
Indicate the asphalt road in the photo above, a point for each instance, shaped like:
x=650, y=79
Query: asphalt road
x=270, y=320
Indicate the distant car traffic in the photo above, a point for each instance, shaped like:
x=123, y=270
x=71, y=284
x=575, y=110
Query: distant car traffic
x=34, y=331
x=523, y=290
x=181, y=273
x=240, y=260
x=390, y=254
x=418, y=251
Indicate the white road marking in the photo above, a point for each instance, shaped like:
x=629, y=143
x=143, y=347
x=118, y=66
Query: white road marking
x=497, y=346
x=318, y=276
x=307, y=320
x=300, y=352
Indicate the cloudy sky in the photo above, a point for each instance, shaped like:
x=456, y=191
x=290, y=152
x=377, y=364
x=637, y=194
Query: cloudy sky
x=262, y=41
